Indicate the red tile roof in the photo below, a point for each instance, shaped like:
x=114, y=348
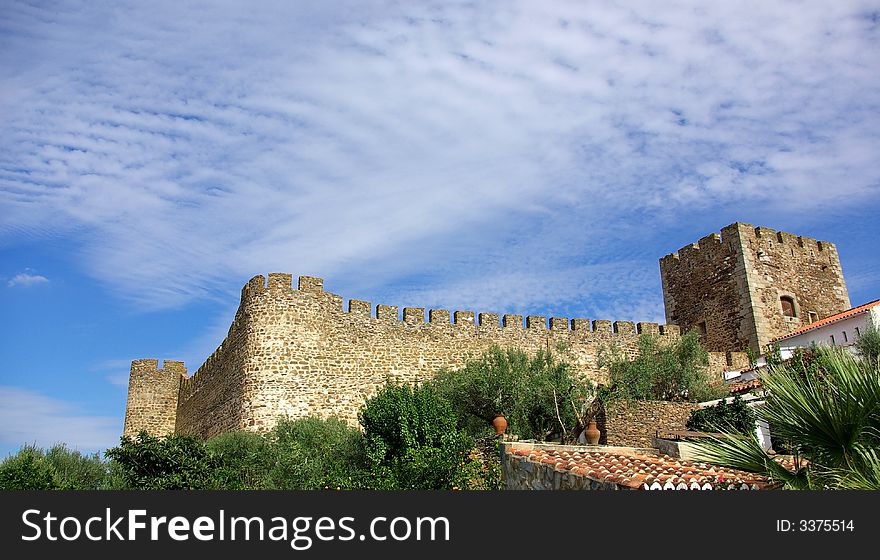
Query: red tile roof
x=644, y=472
x=832, y=319
x=744, y=386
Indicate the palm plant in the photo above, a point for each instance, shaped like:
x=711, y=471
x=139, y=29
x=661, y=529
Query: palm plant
x=826, y=405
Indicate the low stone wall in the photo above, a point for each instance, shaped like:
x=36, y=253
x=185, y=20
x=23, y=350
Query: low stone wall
x=635, y=423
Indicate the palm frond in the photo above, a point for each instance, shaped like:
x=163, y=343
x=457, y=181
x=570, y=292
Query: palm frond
x=829, y=412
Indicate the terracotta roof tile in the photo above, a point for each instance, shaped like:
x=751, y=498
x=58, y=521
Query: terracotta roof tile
x=645, y=472
x=828, y=320
x=744, y=386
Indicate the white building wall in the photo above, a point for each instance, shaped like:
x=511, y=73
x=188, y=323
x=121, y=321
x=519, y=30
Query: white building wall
x=845, y=332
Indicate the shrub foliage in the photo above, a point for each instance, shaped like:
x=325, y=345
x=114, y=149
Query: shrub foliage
x=171, y=463
x=413, y=440
x=539, y=395
x=665, y=371
x=825, y=404
x=734, y=417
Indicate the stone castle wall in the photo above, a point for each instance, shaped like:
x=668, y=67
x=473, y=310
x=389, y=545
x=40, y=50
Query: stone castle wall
x=307, y=356
x=783, y=264
x=635, y=423
x=729, y=286
x=152, y=397
x=703, y=283
x=297, y=352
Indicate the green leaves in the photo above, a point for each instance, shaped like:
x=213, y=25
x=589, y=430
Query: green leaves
x=826, y=405
x=674, y=371
x=538, y=395
x=734, y=417
x=413, y=440
x=868, y=344
x=171, y=463
x=58, y=468
x=26, y=470
x=311, y=453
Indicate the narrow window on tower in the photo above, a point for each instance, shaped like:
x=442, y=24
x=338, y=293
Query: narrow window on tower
x=814, y=316
x=845, y=338
x=701, y=328
x=832, y=340
x=788, y=309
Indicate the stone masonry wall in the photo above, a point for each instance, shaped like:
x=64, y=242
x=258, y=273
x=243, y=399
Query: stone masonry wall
x=782, y=264
x=296, y=353
x=702, y=283
x=635, y=423
x=309, y=357
x=211, y=400
x=729, y=286
x=152, y=397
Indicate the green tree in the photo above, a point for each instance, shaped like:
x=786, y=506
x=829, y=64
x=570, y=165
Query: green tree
x=56, y=468
x=667, y=371
x=246, y=457
x=312, y=453
x=539, y=395
x=413, y=440
x=826, y=406
x=868, y=344
x=75, y=471
x=174, y=462
x=26, y=470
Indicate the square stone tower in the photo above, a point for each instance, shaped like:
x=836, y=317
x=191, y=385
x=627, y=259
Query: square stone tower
x=749, y=285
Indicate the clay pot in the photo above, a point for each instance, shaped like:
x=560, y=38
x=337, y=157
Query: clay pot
x=592, y=433
x=500, y=424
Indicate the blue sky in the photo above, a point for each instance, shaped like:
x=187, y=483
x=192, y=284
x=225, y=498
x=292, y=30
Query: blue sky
x=516, y=157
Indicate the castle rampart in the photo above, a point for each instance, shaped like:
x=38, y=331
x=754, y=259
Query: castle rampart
x=297, y=352
x=300, y=352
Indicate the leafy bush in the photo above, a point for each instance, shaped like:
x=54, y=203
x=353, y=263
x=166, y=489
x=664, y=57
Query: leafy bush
x=413, y=440
x=311, y=453
x=75, y=471
x=171, y=463
x=538, y=396
x=868, y=344
x=247, y=458
x=56, y=468
x=666, y=371
x=26, y=470
x=734, y=417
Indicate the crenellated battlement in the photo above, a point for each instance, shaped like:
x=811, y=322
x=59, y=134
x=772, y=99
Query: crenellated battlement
x=767, y=238
x=281, y=283
x=299, y=351
x=737, y=236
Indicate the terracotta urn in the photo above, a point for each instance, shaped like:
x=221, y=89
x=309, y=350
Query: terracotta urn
x=500, y=424
x=592, y=433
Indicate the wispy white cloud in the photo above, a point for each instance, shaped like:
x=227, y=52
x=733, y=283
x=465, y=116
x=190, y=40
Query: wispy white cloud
x=188, y=149
x=29, y=417
x=115, y=370
x=25, y=280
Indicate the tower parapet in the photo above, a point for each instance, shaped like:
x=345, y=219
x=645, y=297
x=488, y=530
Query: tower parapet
x=152, y=397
